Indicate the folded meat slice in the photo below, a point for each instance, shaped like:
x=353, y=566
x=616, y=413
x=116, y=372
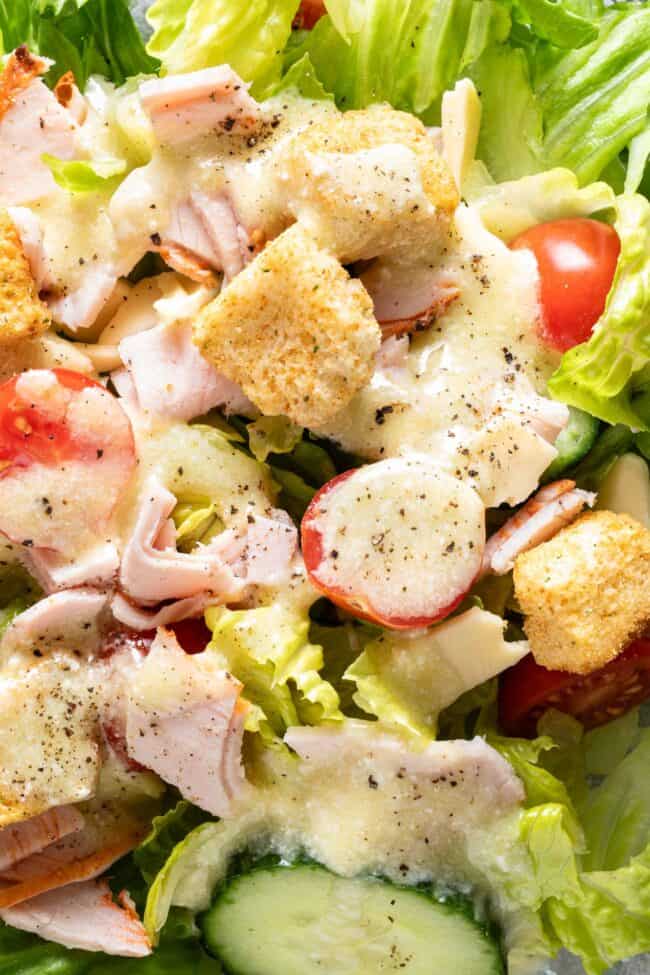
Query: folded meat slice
x=152, y=572
x=137, y=618
x=80, y=307
x=109, y=832
x=83, y=915
x=32, y=122
x=183, y=106
x=97, y=567
x=185, y=721
x=68, y=620
x=172, y=379
x=21, y=840
x=204, y=236
x=407, y=298
x=554, y=507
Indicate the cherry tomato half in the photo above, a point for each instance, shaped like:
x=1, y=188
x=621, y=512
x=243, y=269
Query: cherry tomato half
x=527, y=690
x=28, y=433
x=577, y=261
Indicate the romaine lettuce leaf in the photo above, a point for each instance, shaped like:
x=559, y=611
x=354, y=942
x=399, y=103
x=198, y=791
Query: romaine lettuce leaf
x=268, y=649
x=595, y=100
x=167, y=831
x=598, y=376
x=406, y=52
x=250, y=35
x=408, y=679
x=83, y=36
x=508, y=209
x=302, y=79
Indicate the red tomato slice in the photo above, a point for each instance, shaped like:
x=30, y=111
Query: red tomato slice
x=527, y=690
x=577, y=261
x=394, y=585
x=309, y=13
x=66, y=455
x=28, y=433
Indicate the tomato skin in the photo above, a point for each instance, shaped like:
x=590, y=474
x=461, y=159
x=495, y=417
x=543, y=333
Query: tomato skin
x=312, y=551
x=192, y=634
x=27, y=435
x=577, y=260
x=527, y=690
x=309, y=13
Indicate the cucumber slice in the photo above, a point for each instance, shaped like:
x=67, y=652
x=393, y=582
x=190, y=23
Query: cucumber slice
x=304, y=920
x=576, y=440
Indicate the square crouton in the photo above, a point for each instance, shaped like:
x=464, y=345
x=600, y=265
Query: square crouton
x=294, y=330
x=370, y=183
x=585, y=593
x=22, y=314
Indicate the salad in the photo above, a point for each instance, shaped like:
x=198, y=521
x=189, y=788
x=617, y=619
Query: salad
x=324, y=486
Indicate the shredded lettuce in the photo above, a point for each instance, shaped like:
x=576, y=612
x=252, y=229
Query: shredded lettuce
x=86, y=176
x=599, y=375
x=83, y=36
x=250, y=35
x=268, y=650
x=301, y=78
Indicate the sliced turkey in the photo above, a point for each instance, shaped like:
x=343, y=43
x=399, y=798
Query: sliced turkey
x=172, y=379
x=21, y=840
x=85, y=916
x=185, y=721
x=186, y=105
x=68, y=620
x=32, y=122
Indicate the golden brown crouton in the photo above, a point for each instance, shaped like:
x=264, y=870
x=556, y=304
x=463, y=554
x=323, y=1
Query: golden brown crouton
x=368, y=183
x=294, y=330
x=585, y=594
x=22, y=314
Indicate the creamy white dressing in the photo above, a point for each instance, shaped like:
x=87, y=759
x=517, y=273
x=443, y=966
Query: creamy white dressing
x=470, y=391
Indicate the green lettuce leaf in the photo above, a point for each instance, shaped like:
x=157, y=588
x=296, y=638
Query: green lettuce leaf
x=250, y=35
x=83, y=36
x=167, y=831
x=91, y=176
x=301, y=78
x=509, y=208
x=598, y=376
x=272, y=435
x=595, y=100
x=406, y=52
x=268, y=650
x=407, y=680
x=555, y=22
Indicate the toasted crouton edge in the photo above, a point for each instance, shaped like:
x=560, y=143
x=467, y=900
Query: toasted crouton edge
x=581, y=612
x=22, y=314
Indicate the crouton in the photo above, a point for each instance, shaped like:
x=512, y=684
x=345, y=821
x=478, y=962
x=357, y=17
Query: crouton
x=585, y=593
x=369, y=183
x=22, y=314
x=294, y=330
